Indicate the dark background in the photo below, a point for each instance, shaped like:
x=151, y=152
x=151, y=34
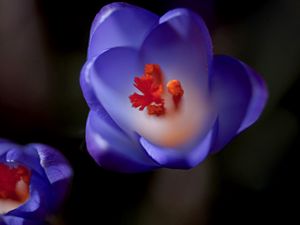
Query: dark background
x=253, y=181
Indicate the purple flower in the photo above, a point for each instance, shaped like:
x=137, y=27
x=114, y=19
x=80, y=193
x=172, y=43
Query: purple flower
x=33, y=182
x=158, y=97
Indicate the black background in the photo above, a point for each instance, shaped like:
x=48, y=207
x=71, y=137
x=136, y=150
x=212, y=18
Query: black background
x=253, y=181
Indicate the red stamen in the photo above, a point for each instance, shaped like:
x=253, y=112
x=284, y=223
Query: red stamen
x=9, y=177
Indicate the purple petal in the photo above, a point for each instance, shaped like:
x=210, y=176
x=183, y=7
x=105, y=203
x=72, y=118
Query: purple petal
x=119, y=24
x=112, y=149
x=26, y=156
x=258, y=99
x=112, y=76
x=116, y=69
x=13, y=220
x=57, y=170
x=179, y=158
x=89, y=94
x=5, y=146
x=86, y=86
x=239, y=96
x=181, y=45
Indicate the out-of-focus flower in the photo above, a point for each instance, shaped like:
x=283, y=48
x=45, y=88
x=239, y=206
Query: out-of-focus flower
x=33, y=182
x=158, y=97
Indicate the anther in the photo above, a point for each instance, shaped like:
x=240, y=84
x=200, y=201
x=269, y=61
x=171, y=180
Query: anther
x=175, y=89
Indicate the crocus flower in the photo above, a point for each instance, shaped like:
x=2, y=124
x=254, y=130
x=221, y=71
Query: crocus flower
x=158, y=97
x=33, y=182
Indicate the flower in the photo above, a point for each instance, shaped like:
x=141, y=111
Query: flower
x=33, y=182
x=158, y=97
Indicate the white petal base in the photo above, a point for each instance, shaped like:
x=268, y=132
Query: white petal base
x=177, y=127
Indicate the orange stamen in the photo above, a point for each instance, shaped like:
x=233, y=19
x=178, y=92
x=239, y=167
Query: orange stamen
x=9, y=178
x=175, y=89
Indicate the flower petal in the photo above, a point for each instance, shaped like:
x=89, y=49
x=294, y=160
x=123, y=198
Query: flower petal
x=119, y=24
x=181, y=45
x=14, y=220
x=112, y=149
x=57, y=170
x=89, y=94
x=116, y=69
x=26, y=156
x=112, y=76
x=5, y=146
x=176, y=158
x=258, y=99
x=239, y=95
x=86, y=86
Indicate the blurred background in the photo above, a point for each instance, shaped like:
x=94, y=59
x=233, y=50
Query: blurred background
x=253, y=181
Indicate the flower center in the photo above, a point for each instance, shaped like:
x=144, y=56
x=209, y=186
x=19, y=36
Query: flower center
x=151, y=85
x=14, y=186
